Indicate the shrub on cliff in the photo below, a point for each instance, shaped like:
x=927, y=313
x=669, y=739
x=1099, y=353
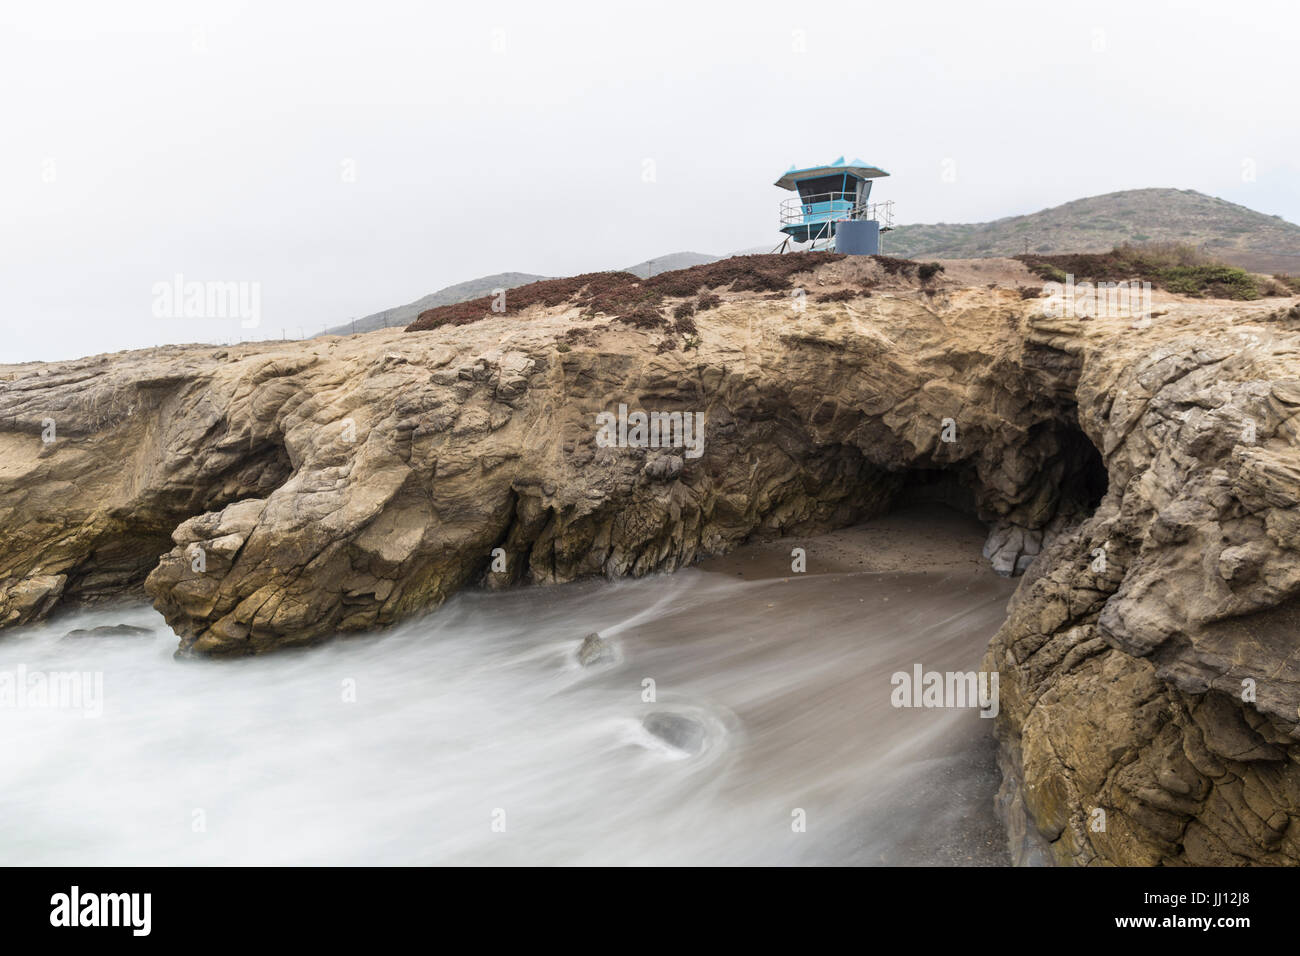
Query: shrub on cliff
x=627, y=298
x=1175, y=267
x=1290, y=283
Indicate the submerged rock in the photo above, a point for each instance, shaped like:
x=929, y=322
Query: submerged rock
x=111, y=630
x=677, y=730
x=596, y=650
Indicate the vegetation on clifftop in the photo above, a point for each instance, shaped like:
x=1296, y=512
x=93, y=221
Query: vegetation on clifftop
x=1174, y=267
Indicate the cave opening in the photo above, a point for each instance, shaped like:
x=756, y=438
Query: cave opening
x=1066, y=488
x=137, y=537
x=954, y=488
x=1090, y=477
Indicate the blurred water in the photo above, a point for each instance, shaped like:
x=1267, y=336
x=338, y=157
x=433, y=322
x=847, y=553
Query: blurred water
x=479, y=713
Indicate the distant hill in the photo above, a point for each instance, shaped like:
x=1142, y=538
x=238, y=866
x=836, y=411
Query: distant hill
x=464, y=291
x=670, y=263
x=1230, y=232
x=403, y=315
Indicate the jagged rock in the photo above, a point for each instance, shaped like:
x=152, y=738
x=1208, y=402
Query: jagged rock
x=1242, y=562
x=1161, y=690
x=663, y=467
x=31, y=598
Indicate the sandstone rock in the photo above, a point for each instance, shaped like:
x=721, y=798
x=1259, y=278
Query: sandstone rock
x=596, y=650
x=1191, y=703
x=1242, y=562
x=282, y=492
x=663, y=467
x=31, y=598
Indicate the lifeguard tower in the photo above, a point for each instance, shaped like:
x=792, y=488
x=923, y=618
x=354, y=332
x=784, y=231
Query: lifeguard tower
x=832, y=208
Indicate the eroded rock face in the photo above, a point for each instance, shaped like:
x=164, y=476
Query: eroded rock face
x=296, y=490
x=1149, y=674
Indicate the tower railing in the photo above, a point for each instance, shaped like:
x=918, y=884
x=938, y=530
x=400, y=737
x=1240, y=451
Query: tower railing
x=835, y=207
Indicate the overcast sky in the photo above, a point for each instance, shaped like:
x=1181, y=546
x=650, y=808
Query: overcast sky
x=349, y=157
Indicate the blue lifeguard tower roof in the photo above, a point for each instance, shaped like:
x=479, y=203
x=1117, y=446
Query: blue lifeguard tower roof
x=857, y=169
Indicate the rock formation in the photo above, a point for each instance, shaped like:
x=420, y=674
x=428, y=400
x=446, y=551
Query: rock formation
x=1145, y=480
x=1149, y=676
x=296, y=490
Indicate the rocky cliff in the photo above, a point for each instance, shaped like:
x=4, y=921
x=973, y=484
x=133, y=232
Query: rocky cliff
x=1149, y=673
x=1145, y=476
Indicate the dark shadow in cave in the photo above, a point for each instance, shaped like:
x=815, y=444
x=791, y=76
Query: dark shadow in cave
x=121, y=558
x=1083, y=482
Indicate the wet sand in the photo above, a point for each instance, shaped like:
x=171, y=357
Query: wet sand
x=916, y=538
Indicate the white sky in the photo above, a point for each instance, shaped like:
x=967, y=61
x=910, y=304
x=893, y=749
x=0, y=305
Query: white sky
x=142, y=140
